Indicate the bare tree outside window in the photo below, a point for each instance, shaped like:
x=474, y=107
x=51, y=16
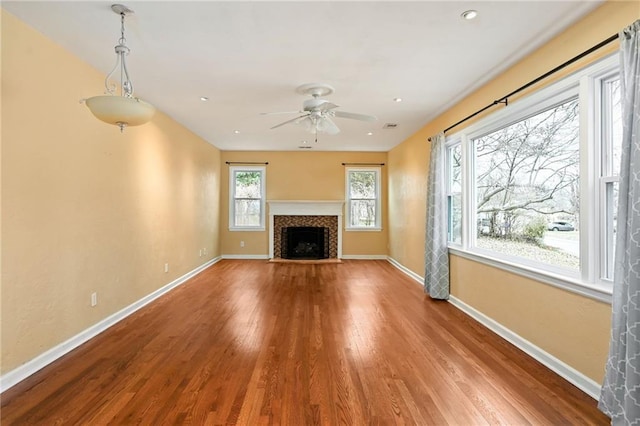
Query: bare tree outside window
x=527, y=177
x=534, y=187
x=363, y=194
x=247, y=198
x=454, y=192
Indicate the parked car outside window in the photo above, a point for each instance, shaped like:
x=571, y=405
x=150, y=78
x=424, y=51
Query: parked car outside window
x=560, y=226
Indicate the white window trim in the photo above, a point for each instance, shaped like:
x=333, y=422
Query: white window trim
x=605, y=176
x=232, y=189
x=347, y=208
x=588, y=281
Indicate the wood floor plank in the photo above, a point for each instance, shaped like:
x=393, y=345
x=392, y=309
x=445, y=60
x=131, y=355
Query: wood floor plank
x=260, y=343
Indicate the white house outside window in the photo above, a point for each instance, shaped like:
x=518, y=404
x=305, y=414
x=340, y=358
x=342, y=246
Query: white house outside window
x=247, y=198
x=363, y=199
x=533, y=188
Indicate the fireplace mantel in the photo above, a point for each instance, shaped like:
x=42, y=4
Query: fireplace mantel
x=305, y=208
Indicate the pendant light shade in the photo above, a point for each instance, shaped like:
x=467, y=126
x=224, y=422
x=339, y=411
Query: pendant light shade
x=121, y=109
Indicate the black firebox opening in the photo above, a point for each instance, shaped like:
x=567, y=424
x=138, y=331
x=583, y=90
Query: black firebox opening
x=305, y=242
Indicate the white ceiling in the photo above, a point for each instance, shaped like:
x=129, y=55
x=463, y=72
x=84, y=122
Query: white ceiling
x=248, y=58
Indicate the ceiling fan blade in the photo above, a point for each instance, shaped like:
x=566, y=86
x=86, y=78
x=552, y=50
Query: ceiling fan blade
x=325, y=125
x=290, y=121
x=326, y=106
x=354, y=116
x=282, y=112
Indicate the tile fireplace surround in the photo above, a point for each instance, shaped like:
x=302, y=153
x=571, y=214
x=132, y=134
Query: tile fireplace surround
x=310, y=213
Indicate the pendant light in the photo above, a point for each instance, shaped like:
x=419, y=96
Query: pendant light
x=118, y=106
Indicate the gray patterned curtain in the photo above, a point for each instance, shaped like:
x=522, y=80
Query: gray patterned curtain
x=620, y=396
x=436, y=276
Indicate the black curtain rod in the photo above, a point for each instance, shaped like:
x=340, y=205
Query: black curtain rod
x=244, y=162
x=363, y=164
x=505, y=99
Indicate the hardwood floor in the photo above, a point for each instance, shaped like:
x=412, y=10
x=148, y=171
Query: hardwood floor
x=253, y=342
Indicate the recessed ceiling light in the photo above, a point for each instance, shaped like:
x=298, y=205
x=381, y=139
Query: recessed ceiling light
x=370, y=133
x=397, y=99
x=469, y=14
x=236, y=131
x=204, y=98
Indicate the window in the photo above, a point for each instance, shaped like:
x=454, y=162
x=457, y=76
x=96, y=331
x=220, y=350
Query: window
x=533, y=188
x=611, y=119
x=363, y=199
x=454, y=193
x=526, y=178
x=246, y=198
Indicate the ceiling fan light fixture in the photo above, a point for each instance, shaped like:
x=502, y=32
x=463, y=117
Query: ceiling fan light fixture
x=121, y=109
x=317, y=113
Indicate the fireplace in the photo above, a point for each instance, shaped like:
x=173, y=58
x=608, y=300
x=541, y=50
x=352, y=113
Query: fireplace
x=305, y=214
x=304, y=242
x=283, y=222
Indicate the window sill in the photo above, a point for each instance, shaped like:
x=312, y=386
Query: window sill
x=600, y=292
x=247, y=229
x=377, y=229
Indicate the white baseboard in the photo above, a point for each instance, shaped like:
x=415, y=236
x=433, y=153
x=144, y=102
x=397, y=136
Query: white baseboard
x=364, y=256
x=582, y=382
x=407, y=271
x=16, y=375
x=344, y=256
x=246, y=256
x=570, y=374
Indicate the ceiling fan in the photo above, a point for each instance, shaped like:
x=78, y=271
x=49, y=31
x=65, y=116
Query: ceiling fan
x=317, y=113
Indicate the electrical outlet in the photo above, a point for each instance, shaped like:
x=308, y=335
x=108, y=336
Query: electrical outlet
x=166, y=267
x=205, y=250
x=94, y=299
x=241, y=243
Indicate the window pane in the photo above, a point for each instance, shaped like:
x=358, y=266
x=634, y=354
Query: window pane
x=613, y=124
x=611, y=152
x=247, y=213
x=248, y=184
x=455, y=219
x=362, y=184
x=527, y=179
x=363, y=213
x=611, y=211
x=454, y=156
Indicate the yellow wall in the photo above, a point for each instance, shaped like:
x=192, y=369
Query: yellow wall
x=573, y=328
x=301, y=176
x=521, y=305
x=85, y=208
